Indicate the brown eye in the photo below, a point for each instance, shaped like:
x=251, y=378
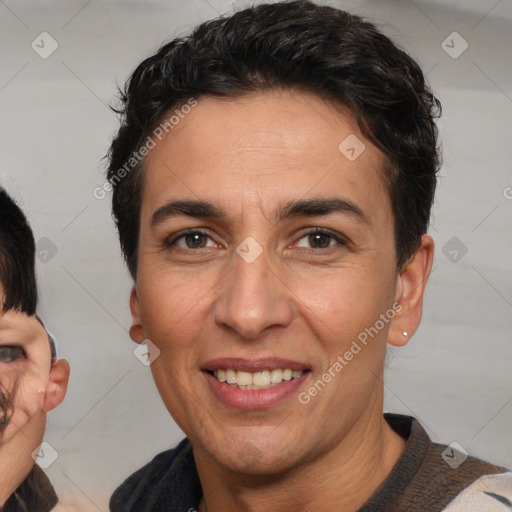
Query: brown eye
x=192, y=239
x=195, y=240
x=9, y=354
x=319, y=240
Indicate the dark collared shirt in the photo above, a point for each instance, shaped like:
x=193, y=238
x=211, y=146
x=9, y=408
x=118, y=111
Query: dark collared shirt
x=34, y=494
x=427, y=477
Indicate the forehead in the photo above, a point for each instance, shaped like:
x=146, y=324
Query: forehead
x=14, y=321
x=262, y=150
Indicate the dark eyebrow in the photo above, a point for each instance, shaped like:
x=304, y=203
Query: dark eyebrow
x=310, y=207
x=322, y=206
x=191, y=208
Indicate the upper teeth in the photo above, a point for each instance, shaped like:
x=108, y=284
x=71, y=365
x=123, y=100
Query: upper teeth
x=265, y=378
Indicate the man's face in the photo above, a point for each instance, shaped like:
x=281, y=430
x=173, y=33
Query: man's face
x=258, y=283
x=25, y=361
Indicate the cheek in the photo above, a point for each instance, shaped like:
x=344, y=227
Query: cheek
x=173, y=306
x=343, y=303
x=32, y=380
x=26, y=402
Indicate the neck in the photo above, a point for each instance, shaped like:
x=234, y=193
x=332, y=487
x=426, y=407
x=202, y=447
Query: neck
x=342, y=478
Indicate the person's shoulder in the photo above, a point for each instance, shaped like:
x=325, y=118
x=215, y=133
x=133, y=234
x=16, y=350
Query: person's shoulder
x=139, y=485
x=434, y=476
x=473, y=484
x=488, y=493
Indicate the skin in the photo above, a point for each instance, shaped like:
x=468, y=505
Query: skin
x=297, y=300
x=34, y=373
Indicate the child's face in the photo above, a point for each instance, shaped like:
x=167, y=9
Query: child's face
x=25, y=363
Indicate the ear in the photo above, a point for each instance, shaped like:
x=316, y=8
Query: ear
x=136, y=331
x=57, y=385
x=410, y=288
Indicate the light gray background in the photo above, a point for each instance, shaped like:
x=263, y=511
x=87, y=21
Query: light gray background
x=455, y=375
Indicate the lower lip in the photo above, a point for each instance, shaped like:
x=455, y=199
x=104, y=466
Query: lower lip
x=254, y=398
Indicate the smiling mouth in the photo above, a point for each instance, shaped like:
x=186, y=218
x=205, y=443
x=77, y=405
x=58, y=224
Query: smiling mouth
x=255, y=380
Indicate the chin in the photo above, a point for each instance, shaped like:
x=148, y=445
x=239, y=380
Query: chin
x=257, y=465
x=252, y=456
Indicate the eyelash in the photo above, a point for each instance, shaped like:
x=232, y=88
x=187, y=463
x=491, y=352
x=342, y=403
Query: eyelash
x=312, y=231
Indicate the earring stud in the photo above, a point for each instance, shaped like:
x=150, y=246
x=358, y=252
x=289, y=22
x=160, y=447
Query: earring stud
x=405, y=333
x=40, y=391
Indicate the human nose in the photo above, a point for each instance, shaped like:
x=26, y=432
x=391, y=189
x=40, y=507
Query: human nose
x=253, y=297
